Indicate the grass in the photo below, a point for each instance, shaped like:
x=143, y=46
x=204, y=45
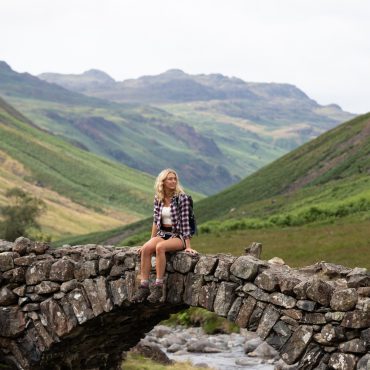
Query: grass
x=209, y=321
x=138, y=362
x=345, y=242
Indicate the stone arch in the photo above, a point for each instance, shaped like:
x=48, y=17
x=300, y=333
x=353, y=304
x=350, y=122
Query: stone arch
x=71, y=307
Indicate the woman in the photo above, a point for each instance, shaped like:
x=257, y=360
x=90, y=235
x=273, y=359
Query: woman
x=170, y=232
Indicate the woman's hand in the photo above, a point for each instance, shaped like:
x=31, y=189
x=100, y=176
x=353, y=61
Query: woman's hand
x=139, y=250
x=190, y=250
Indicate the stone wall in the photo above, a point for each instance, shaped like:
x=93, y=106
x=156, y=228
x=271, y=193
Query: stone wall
x=71, y=307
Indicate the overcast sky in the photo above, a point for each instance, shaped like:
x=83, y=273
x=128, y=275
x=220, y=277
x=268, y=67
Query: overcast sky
x=321, y=46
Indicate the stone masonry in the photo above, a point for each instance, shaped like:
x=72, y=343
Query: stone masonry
x=71, y=307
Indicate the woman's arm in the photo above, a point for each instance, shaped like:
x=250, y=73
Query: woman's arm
x=154, y=230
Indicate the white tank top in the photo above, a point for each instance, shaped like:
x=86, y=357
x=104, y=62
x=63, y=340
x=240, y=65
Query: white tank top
x=166, y=216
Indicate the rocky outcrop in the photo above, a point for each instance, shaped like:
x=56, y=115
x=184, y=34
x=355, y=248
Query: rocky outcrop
x=71, y=307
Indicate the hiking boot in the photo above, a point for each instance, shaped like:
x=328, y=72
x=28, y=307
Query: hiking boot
x=156, y=292
x=141, y=294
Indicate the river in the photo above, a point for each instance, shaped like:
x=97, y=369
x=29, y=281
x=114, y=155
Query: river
x=218, y=351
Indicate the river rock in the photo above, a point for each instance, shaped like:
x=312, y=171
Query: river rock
x=251, y=344
x=151, y=351
x=282, y=365
x=264, y=351
x=247, y=362
x=174, y=348
x=202, y=346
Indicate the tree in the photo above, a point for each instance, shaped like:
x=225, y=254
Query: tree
x=19, y=216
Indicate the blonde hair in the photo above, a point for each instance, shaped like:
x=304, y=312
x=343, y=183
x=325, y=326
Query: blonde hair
x=158, y=186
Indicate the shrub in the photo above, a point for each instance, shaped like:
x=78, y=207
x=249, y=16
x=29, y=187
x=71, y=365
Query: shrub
x=20, y=215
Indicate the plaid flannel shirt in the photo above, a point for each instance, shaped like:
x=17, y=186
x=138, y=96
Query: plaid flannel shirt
x=179, y=206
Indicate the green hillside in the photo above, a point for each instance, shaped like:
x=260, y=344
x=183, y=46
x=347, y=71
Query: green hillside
x=332, y=168
x=79, y=187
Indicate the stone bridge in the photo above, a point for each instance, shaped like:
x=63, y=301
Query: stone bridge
x=71, y=308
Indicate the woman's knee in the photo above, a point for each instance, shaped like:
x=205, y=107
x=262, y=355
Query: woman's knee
x=160, y=247
x=147, y=249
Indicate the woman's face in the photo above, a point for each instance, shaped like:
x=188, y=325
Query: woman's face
x=170, y=182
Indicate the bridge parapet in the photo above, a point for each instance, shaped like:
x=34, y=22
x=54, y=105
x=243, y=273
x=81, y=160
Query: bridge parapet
x=71, y=307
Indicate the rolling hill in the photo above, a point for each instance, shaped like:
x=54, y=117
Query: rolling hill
x=83, y=192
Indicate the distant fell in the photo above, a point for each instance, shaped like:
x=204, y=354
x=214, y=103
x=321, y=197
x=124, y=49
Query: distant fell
x=173, y=86
x=20, y=85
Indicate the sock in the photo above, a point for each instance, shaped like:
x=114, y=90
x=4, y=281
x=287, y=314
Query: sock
x=144, y=283
x=158, y=281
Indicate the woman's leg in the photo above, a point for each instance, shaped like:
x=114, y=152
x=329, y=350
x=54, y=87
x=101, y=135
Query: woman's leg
x=147, y=250
x=170, y=245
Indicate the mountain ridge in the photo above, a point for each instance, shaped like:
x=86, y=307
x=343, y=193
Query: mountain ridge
x=208, y=86
x=212, y=143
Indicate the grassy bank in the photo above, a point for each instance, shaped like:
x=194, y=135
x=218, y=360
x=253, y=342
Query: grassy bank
x=346, y=242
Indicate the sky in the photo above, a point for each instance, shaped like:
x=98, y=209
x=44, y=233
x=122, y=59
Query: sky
x=320, y=46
